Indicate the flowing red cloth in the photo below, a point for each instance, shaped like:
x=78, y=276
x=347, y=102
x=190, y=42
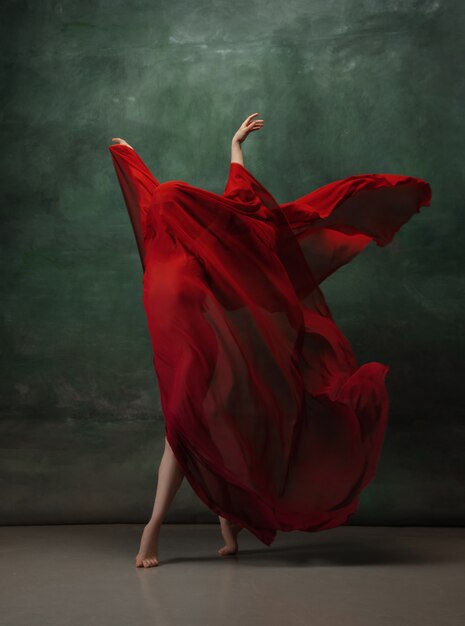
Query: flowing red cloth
x=273, y=421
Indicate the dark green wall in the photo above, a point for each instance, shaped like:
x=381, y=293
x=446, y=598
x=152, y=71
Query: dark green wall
x=344, y=87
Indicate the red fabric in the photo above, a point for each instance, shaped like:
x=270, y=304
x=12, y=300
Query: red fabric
x=275, y=424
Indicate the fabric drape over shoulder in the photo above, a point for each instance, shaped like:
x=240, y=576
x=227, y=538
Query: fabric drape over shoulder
x=274, y=423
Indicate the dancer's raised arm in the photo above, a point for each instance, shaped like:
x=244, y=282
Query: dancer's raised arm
x=242, y=184
x=247, y=126
x=137, y=185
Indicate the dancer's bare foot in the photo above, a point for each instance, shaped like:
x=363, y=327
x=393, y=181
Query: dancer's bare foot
x=148, y=551
x=229, y=530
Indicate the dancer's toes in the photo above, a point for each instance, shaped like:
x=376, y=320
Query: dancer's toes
x=146, y=562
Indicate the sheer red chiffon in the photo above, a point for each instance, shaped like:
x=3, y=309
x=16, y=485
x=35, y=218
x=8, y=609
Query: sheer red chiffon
x=274, y=423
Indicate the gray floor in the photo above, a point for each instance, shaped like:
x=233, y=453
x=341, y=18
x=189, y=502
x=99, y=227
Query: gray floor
x=85, y=575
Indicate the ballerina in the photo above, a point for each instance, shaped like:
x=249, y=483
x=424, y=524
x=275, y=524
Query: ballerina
x=268, y=414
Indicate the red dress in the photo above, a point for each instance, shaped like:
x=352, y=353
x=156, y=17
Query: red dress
x=273, y=421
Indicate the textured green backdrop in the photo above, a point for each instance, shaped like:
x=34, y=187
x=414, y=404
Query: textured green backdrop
x=345, y=87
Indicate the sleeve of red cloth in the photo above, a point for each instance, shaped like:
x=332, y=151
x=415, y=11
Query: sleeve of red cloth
x=336, y=222
x=137, y=185
x=244, y=187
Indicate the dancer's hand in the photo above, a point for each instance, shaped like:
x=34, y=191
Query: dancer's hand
x=122, y=142
x=247, y=127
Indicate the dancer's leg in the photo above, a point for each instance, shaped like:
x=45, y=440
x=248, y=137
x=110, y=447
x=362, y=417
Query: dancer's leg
x=170, y=477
